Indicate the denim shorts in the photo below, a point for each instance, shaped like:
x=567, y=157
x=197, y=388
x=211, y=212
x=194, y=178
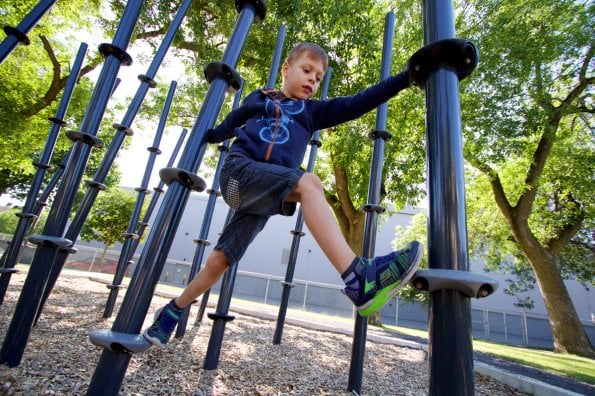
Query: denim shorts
x=255, y=191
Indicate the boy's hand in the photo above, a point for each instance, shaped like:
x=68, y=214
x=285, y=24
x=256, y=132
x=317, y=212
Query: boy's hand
x=458, y=55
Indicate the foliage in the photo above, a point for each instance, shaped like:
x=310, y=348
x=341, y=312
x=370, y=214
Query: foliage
x=31, y=81
x=110, y=217
x=9, y=220
x=548, y=60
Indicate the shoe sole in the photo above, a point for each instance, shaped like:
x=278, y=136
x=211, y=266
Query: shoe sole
x=386, y=294
x=153, y=340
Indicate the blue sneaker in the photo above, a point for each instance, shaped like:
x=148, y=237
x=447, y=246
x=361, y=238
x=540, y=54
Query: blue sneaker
x=375, y=281
x=166, y=320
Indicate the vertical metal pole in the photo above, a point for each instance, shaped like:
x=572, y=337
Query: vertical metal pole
x=450, y=349
x=297, y=231
x=144, y=223
x=373, y=207
x=220, y=319
x=274, y=69
x=51, y=240
x=221, y=315
x=19, y=34
x=142, y=191
x=202, y=240
x=112, y=365
x=122, y=130
x=29, y=214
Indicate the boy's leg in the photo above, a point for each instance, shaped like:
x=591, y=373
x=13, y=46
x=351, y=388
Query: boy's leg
x=167, y=317
x=209, y=275
x=321, y=222
x=370, y=283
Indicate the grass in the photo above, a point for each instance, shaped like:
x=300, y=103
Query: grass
x=572, y=366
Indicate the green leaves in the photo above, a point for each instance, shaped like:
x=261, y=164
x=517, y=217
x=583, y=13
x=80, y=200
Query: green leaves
x=110, y=217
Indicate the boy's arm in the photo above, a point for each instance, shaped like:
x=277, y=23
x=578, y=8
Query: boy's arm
x=226, y=130
x=336, y=111
x=235, y=119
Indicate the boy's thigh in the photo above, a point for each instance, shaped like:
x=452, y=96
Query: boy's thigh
x=238, y=234
x=258, y=188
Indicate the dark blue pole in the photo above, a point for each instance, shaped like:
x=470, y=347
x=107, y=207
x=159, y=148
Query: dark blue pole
x=50, y=186
x=144, y=223
x=29, y=214
x=450, y=349
x=19, y=34
x=297, y=231
x=52, y=240
x=122, y=131
x=221, y=315
x=274, y=69
x=202, y=241
x=112, y=365
x=142, y=191
x=372, y=208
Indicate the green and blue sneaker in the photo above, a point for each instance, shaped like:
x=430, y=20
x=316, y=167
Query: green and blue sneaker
x=166, y=320
x=371, y=283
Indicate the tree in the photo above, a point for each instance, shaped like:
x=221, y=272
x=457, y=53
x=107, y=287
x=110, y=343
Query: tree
x=31, y=80
x=528, y=124
x=109, y=218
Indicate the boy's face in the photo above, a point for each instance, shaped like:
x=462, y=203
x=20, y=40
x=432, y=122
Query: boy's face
x=302, y=77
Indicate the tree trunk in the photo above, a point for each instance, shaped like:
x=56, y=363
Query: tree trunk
x=567, y=330
x=102, y=258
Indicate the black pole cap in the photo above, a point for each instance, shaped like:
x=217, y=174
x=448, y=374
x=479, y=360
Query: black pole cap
x=259, y=6
x=187, y=179
x=107, y=49
x=459, y=55
x=214, y=69
x=22, y=37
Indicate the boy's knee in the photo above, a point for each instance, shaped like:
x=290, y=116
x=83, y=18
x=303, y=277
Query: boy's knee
x=217, y=260
x=310, y=182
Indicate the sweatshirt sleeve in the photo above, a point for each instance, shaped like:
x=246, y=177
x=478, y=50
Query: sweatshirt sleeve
x=326, y=114
x=234, y=120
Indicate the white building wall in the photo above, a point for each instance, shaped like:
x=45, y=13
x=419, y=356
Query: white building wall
x=266, y=252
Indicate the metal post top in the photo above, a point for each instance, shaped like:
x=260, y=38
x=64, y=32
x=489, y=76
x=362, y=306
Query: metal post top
x=459, y=55
x=259, y=6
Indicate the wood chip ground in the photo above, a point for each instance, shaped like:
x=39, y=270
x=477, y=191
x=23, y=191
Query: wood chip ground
x=60, y=360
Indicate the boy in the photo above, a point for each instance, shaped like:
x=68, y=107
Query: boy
x=260, y=178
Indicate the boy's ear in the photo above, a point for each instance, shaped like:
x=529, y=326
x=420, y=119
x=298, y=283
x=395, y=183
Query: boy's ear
x=284, y=69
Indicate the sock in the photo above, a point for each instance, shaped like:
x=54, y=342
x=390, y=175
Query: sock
x=174, y=306
x=349, y=276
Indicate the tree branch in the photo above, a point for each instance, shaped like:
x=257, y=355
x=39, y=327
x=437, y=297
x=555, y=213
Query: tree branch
x=565, y=233
x=54, y=87
x=496, y=184
x=58, y=82
x=152, y=34
x=342, y=185
x=586, y=63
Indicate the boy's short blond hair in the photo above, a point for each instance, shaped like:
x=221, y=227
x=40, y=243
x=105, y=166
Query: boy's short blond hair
x=310, y=49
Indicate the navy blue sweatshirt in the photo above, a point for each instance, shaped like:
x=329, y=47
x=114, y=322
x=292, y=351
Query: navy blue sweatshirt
x=275, y=129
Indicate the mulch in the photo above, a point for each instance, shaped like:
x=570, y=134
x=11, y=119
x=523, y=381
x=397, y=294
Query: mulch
x=60, y=360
